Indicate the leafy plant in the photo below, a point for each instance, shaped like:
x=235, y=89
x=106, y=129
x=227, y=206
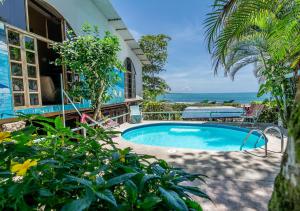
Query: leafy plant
x=95, y=59
x=260, y=33
x=155, y=48
x=64, y=170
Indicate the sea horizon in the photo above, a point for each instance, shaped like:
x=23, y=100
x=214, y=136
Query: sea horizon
x=237, y=97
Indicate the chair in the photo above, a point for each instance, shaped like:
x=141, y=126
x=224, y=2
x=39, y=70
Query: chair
x=252, y=113
x=135, y=114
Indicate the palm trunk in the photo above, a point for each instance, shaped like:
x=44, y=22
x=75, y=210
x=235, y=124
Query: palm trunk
x=286, y=194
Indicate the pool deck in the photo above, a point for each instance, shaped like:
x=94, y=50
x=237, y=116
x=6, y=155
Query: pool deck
x=239, y=180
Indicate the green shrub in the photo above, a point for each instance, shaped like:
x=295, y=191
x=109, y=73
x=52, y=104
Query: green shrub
x=270, y=113
x=154, y=106
x=64, y=170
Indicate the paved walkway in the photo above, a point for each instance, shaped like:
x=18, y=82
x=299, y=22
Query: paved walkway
x=237, y=180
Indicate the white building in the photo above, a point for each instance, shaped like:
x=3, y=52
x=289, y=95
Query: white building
x=29, y=27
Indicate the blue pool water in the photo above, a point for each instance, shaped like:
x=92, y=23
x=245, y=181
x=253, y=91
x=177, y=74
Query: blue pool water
x=192, y=136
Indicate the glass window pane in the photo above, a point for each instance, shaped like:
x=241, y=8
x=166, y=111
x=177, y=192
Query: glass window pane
x=29, y=43
x=30, y=57
x=19, y=99
x=13, y=38
x=15, y=53
x=33, y=86
x=17, y=84
x=16, y=69
x=34, y=99
x=31, y=71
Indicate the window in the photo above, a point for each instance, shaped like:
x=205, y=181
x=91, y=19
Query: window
x=130, y=90
x=24, y=69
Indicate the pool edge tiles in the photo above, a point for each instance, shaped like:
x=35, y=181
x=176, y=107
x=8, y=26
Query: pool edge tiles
x=194, y=136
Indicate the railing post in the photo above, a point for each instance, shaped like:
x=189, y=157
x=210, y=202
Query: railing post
x=84, y=132
x=210, y=119
x=169, y=116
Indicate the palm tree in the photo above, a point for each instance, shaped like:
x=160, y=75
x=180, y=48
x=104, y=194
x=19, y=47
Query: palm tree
x=264, y=33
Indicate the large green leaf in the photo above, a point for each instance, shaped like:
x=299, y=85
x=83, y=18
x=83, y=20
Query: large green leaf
x=149, y=202
x=82, y=181
x=172, y=199
x=58, y=123
x=107, y=196
x=119, y=179
x=145, y=179
x=131, y=190
x=193, y=190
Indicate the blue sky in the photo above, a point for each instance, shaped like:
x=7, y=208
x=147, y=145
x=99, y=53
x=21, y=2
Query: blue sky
x=189, y=67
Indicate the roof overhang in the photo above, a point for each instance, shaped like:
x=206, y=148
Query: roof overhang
x=118, y=24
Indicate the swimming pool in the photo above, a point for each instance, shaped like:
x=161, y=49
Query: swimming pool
x=192, y=136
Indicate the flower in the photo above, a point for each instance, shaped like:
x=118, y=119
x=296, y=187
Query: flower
x=21, y=168
x=4, y=136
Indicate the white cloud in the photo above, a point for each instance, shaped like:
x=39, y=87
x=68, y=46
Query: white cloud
x=198, y=78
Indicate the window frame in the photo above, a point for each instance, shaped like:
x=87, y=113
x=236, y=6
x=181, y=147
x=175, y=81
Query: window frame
x=24, y=66
x=26, y=33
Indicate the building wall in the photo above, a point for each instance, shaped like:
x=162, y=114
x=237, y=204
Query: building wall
x=6, y=106
x=78, y=12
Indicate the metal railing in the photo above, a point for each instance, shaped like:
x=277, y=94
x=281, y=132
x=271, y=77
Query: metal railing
x=100, y=123
x=263, y=134
x=168, y=114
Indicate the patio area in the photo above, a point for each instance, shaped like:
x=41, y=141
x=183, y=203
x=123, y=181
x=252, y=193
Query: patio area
x=240, y=180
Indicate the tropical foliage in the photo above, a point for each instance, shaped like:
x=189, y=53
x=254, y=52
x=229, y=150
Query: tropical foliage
x=62, y=170
x=155, y=48
x=173, y=109
x=95, y=59
x=261, y=33
x=265, y=33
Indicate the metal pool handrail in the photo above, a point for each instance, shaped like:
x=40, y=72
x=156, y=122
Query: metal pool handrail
x=279, y=132
x=263, y=134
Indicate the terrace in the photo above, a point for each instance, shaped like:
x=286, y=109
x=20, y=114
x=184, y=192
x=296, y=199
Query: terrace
x=237, y=180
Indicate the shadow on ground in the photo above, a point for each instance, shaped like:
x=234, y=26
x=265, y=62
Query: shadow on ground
x=236, y=180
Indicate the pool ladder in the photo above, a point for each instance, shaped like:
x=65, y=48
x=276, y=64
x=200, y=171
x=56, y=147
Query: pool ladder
x=263, y=134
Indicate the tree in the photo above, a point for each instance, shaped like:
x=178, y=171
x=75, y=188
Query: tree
x=95, y=59
x=234, y=28
x=155, y=48
x=240, y=33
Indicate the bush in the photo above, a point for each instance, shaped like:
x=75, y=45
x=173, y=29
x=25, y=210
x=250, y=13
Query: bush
x=153, y=106
x=64, y=170
x=270, y=113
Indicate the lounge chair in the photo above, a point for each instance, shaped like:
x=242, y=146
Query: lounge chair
x=135, y=114
x=252, y=114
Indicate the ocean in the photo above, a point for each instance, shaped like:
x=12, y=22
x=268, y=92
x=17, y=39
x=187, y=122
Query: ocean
x=244, y=97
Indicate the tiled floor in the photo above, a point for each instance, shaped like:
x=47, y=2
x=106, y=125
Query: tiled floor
x=236, y=180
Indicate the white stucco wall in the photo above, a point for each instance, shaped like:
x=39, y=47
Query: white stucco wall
x=78, y=12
